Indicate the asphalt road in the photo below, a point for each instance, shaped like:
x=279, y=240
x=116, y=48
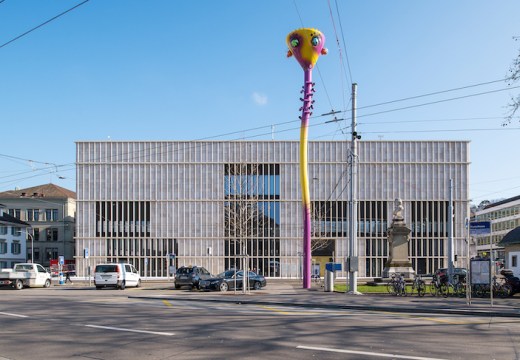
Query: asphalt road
x=69, y=323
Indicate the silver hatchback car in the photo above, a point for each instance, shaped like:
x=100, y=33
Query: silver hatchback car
x=190, y=276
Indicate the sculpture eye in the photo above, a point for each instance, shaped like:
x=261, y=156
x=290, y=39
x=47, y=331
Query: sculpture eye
x=315, y=41
x=295, y=42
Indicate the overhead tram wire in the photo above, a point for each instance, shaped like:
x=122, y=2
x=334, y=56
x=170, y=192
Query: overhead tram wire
x=44, y=23
x=297, y=121
x=431, y=94
x=344, y=44
x=327, y=114
x=342, y=65
x=434, y=102
x=439, y=130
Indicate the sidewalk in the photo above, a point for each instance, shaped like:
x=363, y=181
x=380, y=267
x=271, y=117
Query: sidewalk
x=291, y=293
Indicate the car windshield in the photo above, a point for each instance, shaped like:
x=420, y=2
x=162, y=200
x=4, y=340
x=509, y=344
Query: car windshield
x=226, y=274
x=106, y=268
x=184, y=270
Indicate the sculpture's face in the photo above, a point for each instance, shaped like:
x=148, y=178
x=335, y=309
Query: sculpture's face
x=306, y=45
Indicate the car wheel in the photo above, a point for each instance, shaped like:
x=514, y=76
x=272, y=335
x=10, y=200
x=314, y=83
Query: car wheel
x=47, y=284
x=177, y=286
x=18, y=285
x=257, y=285
x=122, y=286
x=98, y=287
x=223, y=287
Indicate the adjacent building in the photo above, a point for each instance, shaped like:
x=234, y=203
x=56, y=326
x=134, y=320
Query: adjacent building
x=50, y=212
x=504, y=216
x=223, y=204
x=12, y=240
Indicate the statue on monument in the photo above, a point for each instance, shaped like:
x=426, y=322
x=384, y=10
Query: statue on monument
x=398, y=210
x=398, y=237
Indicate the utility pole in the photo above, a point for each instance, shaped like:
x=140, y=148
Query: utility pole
x=352, y=250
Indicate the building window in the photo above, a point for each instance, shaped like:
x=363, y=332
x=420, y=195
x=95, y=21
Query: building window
x=51, y=214
x=36, y=214
x=123, y=218
x=29, y=215
x=51, y=253
x=3, y=247
x=52, y=234
x=36, y=234
x=3, y=230
x=514, y=261
x=16, y=231
x=16, y=248
x=36, y=254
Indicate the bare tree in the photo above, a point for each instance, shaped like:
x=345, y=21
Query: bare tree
x=243, y=214
x=513, y=77
x=319, y=239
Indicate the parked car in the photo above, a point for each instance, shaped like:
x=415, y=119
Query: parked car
x=229, y=279
x=190, y=276
x=442, y=273
x=118, y=275
x=511, y=280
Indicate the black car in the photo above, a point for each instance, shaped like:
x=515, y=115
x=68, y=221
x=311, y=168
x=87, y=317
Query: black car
x=511, y=280
x=233, y=279
x=190, y=276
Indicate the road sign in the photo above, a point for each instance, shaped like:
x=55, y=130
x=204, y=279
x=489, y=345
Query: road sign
x=61, y=260
x=479, y=228
x=85, y=253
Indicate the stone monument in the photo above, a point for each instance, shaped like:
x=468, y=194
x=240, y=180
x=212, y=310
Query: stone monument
x=398, y=237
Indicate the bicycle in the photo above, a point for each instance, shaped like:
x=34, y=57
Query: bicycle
x=397, y=286
x=459, y=288
x=317, y=280
x=500, y=289
x=390, y=286
x=439, y=286
x=419, y=285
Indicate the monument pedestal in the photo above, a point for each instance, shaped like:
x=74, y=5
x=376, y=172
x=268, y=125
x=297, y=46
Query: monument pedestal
x=398, y=261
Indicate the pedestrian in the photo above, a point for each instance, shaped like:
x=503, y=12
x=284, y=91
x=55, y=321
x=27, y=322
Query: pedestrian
x=67, y=278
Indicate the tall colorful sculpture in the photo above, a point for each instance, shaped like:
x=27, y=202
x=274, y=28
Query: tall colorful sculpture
x=306, y=45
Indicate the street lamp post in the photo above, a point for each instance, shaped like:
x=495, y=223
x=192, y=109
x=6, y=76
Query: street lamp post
x=32, y=245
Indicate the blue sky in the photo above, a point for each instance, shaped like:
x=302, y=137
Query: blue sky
x=172, y=70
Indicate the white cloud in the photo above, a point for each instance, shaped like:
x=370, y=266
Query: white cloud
x=259, y=99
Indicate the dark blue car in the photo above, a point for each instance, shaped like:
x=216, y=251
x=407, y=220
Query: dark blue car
x=233, y=279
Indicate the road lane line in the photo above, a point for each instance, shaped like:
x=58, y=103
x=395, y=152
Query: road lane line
x=393, y=356
x=15, y=315
x=167, y=303
x=131, y=330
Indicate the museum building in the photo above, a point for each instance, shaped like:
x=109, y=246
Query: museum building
x=225, y=204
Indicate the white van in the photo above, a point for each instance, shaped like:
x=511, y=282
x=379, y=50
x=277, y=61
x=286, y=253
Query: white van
x=116, y=275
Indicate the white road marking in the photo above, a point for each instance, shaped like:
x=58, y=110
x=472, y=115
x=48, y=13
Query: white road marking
x=15, y=315
x=393, y=356
x=131, y=330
